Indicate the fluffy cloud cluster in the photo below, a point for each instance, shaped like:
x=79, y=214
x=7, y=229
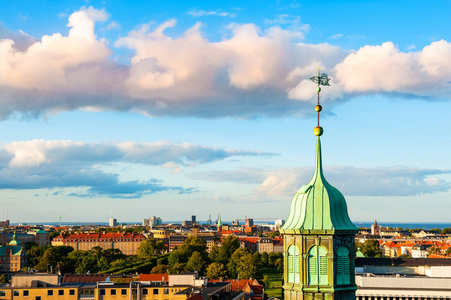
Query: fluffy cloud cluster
x=350, y=181
x=57, y=164
x=384, y=68
x=252, y=72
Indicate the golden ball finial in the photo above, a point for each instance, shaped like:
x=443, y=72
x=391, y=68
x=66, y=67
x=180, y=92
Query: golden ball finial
x=318, y=108
x=318, y=131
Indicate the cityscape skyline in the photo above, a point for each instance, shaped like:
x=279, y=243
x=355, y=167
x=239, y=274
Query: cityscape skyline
x=122, y=109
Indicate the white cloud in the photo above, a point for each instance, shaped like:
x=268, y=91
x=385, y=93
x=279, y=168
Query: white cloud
x=49, y=164
x=284, y=182
x=44, y=64
x=202, y=13
x=35, y=153
x=113, y=26
x=385, y=69
x=253, y=72
x=336, y=36
x=21, y=40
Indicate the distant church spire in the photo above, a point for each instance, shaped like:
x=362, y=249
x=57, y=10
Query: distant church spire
x=219, y=220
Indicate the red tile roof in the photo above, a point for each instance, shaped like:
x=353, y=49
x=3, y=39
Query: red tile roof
x=154, y=277
x=237, y=284
x=196, y=297
x=84, y=278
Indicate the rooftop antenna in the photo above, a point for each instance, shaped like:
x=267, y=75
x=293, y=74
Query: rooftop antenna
x=320, y=79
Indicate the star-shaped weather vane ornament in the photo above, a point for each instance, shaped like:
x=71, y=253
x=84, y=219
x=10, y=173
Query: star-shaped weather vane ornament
x=320, y=79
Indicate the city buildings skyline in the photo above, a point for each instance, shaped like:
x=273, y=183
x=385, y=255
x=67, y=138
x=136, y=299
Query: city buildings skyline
x=133, y=110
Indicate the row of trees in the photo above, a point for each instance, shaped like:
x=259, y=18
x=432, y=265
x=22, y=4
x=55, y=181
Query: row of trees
x=68, y=260
x=225, y=261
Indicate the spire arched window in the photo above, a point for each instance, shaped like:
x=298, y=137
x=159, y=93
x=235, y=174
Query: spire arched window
x=318, y=266
x=343, y=267
x=294, y=264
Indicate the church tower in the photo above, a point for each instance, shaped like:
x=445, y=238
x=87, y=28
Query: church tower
x=319, y=255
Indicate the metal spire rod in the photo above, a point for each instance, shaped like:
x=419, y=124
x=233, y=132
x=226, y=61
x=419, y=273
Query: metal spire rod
x=320, y=79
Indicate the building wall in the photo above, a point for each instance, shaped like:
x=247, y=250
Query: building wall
x=83, y=293
x=128, y=245
x=25, y=281
x=13, y=263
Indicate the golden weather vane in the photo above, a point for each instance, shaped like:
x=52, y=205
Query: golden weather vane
x=320, y=79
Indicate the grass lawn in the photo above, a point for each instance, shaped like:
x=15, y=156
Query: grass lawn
x=274, y=288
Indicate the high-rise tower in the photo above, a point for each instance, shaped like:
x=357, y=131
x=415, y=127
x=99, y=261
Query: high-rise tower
x=319, y=253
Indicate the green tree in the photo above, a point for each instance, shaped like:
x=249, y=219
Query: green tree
x=182, y=254
x=103, y=264
x=177, y=268
x=113, y=254
x=176, y=257
x=272, y=257
x=30, y=245
x=35, y=254
x=264, y=259
x=405, y=255
x=278, y=264
x=119, y=263
x=257, y=258
x=248, y=267
x=214, y=253
x=149, y=248
x=84, y=261
x=371, y=248
x=50, y=258
x=162, y=261
x=195, y=263
x=229, y=245
x=160, y=269
x=266, y=281
x=4, y=279
x=216, y=270
x=235, y=262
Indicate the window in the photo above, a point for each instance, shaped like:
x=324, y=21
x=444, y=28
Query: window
x=72, y=292
x=16, y=293
x=144, y=291
x=113, y=292
x=26, y=293
x=318, y=266
x=38, y=298
x=102, y=292
x=294, y=264
x=50, y=293
x=2, y=293
x=166, y=291
x=155, y=291
x=124, y=292
x=343, y=268
x=60, y=292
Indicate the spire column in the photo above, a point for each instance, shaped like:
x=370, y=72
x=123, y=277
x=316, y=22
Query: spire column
x=319, y=235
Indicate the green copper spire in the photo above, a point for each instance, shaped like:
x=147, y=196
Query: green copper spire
x=219, y=221
x=318, y=205
x=14, y=241
x=318, y=236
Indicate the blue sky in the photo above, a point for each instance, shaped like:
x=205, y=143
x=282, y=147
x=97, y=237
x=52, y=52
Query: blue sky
x=171, y=108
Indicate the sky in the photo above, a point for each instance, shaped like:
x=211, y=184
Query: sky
x=132, y=109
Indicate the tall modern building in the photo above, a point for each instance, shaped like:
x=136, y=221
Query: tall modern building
x=113, y=222
x=319, y=253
